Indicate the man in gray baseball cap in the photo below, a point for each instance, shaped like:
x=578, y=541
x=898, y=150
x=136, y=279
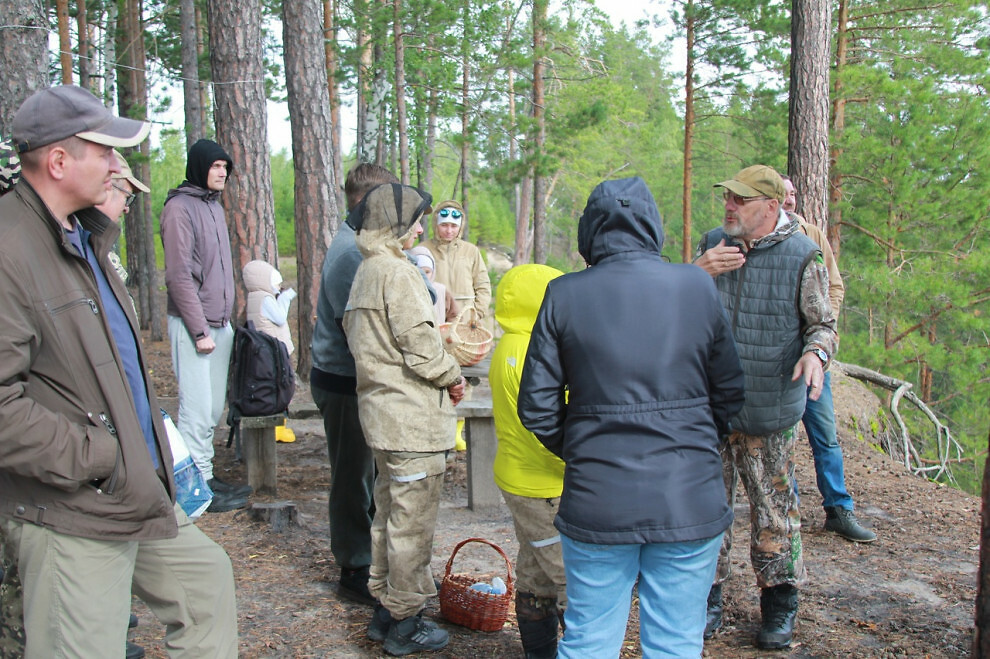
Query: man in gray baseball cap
x=87, y=491
x=56, y=113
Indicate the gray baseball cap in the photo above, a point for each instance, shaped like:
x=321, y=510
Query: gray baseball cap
x=56, y=113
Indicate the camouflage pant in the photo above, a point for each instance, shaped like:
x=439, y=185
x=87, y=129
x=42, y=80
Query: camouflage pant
x=765, y=463
x=540, y=564
x=407, y=500
x=11, y=603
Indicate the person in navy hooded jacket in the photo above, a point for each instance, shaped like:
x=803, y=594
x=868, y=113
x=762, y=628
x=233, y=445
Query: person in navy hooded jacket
x=631, y=377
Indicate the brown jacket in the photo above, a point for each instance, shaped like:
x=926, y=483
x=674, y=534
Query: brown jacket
x=66, y=413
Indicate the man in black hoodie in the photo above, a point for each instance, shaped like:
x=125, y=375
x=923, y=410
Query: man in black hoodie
x=200, y=281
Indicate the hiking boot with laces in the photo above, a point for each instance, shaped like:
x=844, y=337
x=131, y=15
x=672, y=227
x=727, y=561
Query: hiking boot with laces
x=414, y=634
x=778, y=607
x=844, y=522
x=381, y=621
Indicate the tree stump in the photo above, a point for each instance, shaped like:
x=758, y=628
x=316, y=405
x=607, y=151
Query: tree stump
x=280, y=515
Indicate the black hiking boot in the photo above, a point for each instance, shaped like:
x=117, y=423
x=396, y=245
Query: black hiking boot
x=414, y=634
x=381, y=621
x=223, y=487
x=778, y=606
x=224, y=502
x=133, y=651
x=844, y=522
x=354, y=586
x=713, y=622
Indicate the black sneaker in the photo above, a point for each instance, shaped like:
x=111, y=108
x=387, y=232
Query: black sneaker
x=354, y=586
x=381, y=621
x=222, y=487
x=844, y=522
x=223, y=502
x=414, y=634
x=133, y=651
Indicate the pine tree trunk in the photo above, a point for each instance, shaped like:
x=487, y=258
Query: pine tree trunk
x=400, y=91
x=192, y=109
x=838, y=126
x=466, y=117
x=64, y=42
x=540, y=248
x=688, y=134
x=312, y=159
x=242, y=130
x=807, y=152
x=138, y=225
x=23, y=55
x=330, y=54
x=82, y=28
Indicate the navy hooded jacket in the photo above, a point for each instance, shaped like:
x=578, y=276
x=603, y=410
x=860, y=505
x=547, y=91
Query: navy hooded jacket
x=645, y=352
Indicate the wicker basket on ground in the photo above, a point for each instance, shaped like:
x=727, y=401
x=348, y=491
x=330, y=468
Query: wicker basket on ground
x=462, y=605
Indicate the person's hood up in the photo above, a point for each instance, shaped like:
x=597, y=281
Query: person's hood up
x=201, y=157
x=621, y=216
x=423, y=258
x=461, y=224
x=386, y=215
x=520, y=294
x=261, y=276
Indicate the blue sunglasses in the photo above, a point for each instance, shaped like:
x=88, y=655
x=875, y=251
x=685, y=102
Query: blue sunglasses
x=451, y=212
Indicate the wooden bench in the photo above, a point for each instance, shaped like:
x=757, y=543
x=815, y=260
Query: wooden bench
x=479, y=430
x=479, y=433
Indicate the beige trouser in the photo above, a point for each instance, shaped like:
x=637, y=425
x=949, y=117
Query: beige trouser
x=407, y=499
x=77, y=591
x=539, y=565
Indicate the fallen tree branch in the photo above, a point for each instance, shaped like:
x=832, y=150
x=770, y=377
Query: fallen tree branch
x=947, y=449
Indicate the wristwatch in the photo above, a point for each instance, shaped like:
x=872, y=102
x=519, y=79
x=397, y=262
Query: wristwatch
x=821, y=354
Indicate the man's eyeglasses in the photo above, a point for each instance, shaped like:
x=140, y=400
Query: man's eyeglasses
x=131, y=196
x=450, y=212
x=740, y=201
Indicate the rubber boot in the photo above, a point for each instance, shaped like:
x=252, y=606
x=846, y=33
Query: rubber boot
x=537, y=619
x=713, y=622
x=778, y=606
x=284, y=434
x=459, y=443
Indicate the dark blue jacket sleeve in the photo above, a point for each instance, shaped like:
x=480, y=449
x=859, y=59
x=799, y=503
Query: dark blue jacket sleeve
x=542, y=404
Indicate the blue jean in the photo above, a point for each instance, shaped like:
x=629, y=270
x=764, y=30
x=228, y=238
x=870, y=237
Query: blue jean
x=819, y=423
x=674, y=580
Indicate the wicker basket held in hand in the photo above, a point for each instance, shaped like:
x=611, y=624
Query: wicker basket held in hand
x=462, y=605
x=466, y=339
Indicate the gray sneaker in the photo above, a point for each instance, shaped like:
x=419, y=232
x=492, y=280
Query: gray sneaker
x=414, y=634
x=844, y=522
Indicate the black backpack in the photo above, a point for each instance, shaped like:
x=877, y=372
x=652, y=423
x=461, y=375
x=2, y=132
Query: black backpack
x=261, y=381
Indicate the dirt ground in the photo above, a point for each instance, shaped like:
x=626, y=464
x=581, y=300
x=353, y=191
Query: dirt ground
x=910, y=594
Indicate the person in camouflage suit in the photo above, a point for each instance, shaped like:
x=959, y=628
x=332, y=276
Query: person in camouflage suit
x=762, y=264
x=407, y=385
x=11, y=596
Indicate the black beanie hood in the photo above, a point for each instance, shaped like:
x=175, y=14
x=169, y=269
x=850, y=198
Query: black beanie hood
x=201, y=157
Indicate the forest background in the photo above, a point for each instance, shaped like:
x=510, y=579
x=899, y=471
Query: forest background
x=519, y=108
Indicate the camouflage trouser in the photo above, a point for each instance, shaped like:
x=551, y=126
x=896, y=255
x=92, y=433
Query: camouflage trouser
x=765, y=463
x=11, y=603
x=407, y=500
x=540, y=564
